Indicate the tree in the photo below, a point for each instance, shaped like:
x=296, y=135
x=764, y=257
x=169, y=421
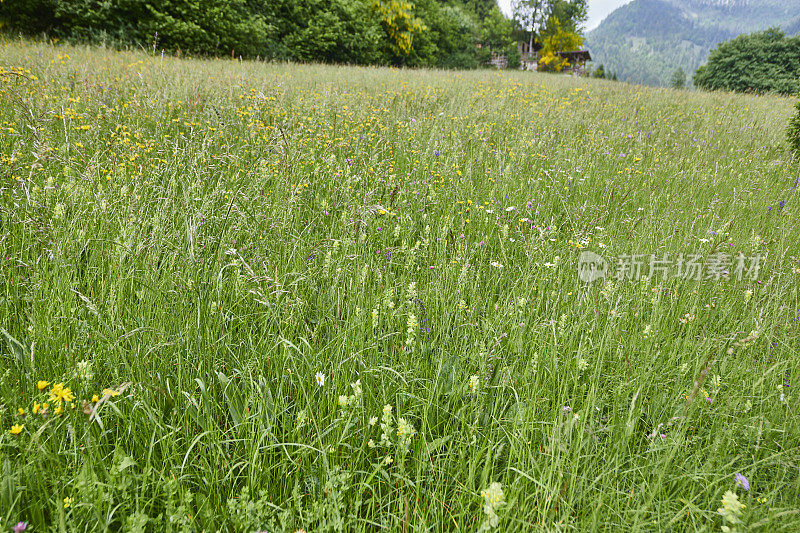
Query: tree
x=599, y=72
x=678, y=79
x=556, y=39
x=571, y=13
x=531, y=15
x=449, y=34
x=761, y=62
x=397, y=18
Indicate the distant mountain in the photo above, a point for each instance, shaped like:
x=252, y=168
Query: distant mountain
x=645, y=41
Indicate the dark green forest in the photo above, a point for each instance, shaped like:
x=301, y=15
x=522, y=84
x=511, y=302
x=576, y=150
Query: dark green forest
x=448, y=34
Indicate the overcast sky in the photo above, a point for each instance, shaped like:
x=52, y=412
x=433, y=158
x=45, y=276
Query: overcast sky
x=598, y=9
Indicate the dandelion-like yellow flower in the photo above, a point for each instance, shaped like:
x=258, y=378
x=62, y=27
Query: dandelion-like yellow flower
x=41, y=385
x=16, y=429
x=95, y=398
x=59, y=393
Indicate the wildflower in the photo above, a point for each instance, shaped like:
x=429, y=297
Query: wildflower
x=496, y=264
x=389, y=460
x=16, y=429
x=301, y=419
x=493, y=499
x=85, y=370
x=342, y=401
x=373, y=420
x=411, y=328
x=567, y=409
x=474, y=381
x=59, y=393
x=356, y=388
x=743, y=482
x=95, y=398
x=405, y=432
x=41, y=385
x=386, y=425
x=320, y=377
x=21, y=411
x=20, y=527
x=731, y=511
x=67, y=503
x=36, y=407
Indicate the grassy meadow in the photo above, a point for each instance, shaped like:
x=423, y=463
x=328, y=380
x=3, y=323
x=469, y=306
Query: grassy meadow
x=272, y=297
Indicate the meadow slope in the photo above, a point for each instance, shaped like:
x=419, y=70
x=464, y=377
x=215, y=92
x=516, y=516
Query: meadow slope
x=250, y=296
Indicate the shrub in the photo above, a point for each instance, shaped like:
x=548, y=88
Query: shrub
x=793, y=132
x=761, y=62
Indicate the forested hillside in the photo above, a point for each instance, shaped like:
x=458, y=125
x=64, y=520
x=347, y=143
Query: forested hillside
x=646, y=41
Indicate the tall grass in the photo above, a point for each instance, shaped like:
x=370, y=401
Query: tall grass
x=211, y=238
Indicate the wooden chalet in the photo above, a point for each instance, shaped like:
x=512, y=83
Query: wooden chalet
x=577, y=61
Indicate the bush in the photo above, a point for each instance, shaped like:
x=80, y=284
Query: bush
x=762, y=62
x=793, y=132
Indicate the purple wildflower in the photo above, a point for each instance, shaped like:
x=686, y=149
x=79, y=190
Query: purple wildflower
x=742, y=481
x=20, y=527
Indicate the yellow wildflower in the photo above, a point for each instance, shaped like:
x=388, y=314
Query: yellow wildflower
x=59, y=393
x=41, y=385
x=16, y=429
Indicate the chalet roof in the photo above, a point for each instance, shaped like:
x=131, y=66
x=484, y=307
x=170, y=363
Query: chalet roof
x=577, y=55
